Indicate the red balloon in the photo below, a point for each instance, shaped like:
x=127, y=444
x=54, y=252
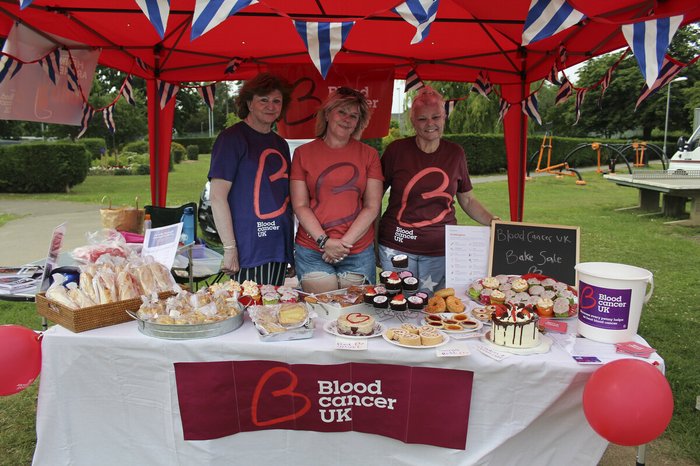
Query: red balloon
x=628, y=402
x=20, y=358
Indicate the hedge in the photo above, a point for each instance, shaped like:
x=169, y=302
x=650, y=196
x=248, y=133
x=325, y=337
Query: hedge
x=95, y=146
x=204, y=144
x=43, y=167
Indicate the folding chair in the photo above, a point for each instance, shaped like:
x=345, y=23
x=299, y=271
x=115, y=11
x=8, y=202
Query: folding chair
x=163, y=216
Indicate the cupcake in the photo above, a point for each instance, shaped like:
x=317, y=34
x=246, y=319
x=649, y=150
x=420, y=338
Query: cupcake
x=561, y=307
x=497, y=297
x=548, y=283
x=405, y=273
x=393, y=283
x=409, y=283
x=369, y=294
x=519, y=285
x=380, y=302
x=536, y=290
x=398, y=303
x=545, y=307
x=423, y=295
x=384, y=276
x=415, y=303
x=380, y=289
x=270, y=298
x=491, y=283
x=400, y=261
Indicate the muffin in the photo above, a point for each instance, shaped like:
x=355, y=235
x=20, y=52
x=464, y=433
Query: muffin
x=400, y=261
x=545, y=307
x=398, y=303
x=497, y=297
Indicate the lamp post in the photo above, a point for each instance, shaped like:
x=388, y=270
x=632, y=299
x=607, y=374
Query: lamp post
x=668, y=104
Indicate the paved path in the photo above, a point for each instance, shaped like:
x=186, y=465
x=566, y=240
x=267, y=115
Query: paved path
x=27, y=238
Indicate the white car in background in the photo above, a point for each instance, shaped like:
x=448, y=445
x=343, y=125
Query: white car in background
x=204, y=213
x=687, y=158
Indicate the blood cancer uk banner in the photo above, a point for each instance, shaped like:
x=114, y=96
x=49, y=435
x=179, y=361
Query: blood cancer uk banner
x=31, y=95
x=390, y=400
x=309, y=90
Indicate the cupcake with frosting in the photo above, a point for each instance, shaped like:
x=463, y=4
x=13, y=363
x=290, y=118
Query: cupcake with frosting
x=545, y=307
x=497, y=297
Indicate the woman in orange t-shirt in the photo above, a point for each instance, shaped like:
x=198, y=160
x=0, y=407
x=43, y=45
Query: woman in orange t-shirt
x=336, y=187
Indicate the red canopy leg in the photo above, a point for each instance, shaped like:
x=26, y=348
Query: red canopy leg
x=160, y=133
x=515, y=134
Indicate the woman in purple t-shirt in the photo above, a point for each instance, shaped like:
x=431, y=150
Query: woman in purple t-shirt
x=249, y=176
x=425, y=174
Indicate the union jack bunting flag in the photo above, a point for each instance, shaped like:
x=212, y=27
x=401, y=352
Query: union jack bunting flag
x=108, y=115
x=166, y=91
x=208, y=14
x=9, y=67
x=548, y=17
x=157, y=12
x=649, y=41
x=413, y=81
x=563, y=55
x=503, y=108
x=419, y=14
x=142, y=64
x=323, y=41
x=564, y=92
x=207, y=93
x=669, y=70
x=51, y=64
x=72, y=80
x=529, y=107
x=580, y=95
x=449, y=106
x=553, y=76
x=233, y=65
x=128, y=90
x=482, y=85
x=85, y=120
x=24, y=4
x=604, y=84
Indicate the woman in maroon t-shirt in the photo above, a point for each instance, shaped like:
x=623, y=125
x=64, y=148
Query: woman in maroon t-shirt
x=425, y=173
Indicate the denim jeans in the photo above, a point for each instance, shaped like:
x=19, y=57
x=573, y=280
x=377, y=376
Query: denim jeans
x=429, y=270
x=308, y=260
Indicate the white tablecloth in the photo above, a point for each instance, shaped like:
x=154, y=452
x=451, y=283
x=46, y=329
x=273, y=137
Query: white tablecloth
x=108, y=397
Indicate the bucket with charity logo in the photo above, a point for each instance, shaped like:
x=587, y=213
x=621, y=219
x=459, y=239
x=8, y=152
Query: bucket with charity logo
x=610, y=300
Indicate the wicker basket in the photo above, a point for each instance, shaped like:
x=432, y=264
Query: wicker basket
x=88, y=318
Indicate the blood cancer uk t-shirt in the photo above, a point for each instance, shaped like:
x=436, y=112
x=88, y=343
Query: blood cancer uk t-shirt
x=421, y=199
x=336, y=180
x=257, y=165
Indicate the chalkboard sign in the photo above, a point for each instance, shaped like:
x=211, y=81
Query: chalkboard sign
x=520, y=248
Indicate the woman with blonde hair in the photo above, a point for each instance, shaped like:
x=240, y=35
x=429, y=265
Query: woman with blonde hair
x=336, y=191
x=425, y=174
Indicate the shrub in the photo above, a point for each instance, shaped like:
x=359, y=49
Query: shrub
x=192, y=152
x=43, y=167
x=204, y=144
x=95, y=146
x=140, y=147
x=178, y=152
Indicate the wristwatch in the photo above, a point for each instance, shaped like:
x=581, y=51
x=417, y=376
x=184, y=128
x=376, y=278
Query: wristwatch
x=321, y=241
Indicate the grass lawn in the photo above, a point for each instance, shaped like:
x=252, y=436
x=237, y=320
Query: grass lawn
x=669, y=321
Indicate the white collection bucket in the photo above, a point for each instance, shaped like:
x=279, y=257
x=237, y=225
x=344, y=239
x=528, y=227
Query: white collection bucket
x=610, y=300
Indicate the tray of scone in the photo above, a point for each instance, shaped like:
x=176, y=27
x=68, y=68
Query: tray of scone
x=282, y=322
x=187, y=315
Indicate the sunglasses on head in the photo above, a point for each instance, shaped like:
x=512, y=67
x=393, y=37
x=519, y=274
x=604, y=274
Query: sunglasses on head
x=348, y=91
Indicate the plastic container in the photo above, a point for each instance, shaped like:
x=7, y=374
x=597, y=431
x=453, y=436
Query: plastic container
x=208, y=263
x=188, y=234
x=610, y=300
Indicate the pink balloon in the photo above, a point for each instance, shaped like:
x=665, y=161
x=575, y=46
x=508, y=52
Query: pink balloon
x=628, y=402
x=20, y=358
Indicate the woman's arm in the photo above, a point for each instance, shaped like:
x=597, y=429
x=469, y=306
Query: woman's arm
x=218, y=195
x=472, y=207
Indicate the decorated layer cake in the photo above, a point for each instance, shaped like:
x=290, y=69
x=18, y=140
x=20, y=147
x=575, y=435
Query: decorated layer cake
x=513, y=327
x=356, y=323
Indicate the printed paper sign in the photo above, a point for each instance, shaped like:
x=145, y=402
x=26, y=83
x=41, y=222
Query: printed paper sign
x=390, y=400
